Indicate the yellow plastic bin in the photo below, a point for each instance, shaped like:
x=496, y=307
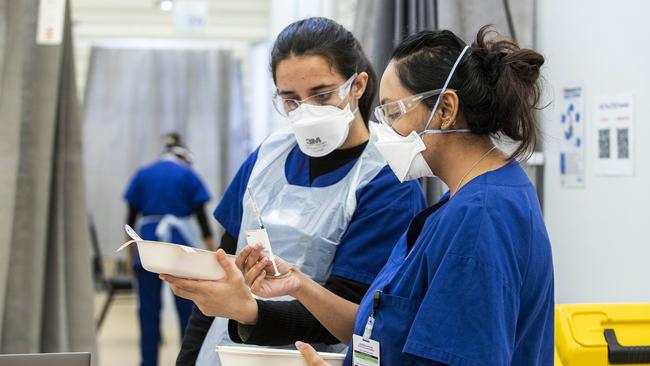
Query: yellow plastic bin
x=602, y=334
x=558, y=362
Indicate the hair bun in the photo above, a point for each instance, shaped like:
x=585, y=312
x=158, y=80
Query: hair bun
x=525, y=64
x=496, y=54
x=492, y=63
x=172, y=139
x=493, y=59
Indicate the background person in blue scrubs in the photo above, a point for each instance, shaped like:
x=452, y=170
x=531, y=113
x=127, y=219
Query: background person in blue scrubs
x=165, y=194
x=330, y=203
x=470, y=283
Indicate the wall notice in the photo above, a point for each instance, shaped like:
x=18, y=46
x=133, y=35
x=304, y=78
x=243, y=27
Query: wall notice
x=572, y=150
x=614, y=118
x=51, y=14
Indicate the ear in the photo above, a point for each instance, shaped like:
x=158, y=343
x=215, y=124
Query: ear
x=359, y=85
x=448, y=109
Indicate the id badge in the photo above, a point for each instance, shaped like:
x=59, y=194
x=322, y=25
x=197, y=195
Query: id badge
x=365, y=352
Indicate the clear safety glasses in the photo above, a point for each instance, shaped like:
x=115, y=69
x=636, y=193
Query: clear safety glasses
x=334, y=97
x=389, y=113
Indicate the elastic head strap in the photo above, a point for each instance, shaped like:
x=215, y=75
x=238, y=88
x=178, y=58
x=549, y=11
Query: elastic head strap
x=444, y=88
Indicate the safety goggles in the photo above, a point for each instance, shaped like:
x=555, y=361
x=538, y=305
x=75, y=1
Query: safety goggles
x=390, y=113
x=334, y=97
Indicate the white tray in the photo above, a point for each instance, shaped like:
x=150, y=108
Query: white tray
x=178, y=260
x=250, y=356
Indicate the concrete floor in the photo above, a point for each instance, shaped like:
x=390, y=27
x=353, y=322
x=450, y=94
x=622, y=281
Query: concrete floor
x=118, y=340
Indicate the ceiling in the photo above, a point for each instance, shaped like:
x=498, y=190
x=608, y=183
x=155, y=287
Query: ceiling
x=229, y=22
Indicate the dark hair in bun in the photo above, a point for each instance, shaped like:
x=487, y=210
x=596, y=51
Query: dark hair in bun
x=497, y=82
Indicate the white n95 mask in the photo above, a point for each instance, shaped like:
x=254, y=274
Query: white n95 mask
x=403, y=153
x=320, y=129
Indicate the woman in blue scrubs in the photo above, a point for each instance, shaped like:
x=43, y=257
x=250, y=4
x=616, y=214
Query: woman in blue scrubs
x=470, y=283
x=165, y=195
x=330, y=203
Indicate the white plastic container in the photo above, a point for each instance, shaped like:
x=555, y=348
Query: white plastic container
x=249, y=356
x=178, y=260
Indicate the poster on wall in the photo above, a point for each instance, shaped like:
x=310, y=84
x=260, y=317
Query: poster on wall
x=614, y=119
x=572, y=150
x=51, y=14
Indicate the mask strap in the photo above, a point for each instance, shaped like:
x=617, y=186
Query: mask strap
x=349, y=93
x=444, y=132
x=444, y=88
x=357, y=108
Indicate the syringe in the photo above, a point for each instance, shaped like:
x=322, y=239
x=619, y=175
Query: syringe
x=256, y=209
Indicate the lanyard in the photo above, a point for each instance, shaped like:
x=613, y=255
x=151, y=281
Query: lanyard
x=367, y=333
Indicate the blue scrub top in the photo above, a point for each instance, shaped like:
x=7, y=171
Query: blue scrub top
x=471, y=282
x=384, y=209
x=165, y=187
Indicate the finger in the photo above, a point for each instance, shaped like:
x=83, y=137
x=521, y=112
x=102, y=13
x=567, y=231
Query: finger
x=252, y=274
x=182, y=293
x=190, y=286
x=309, y=353
x=168, y=278
x=256, y=286
x=282, y=265
x=240, y=261
x=254, y=257
x=227, y=265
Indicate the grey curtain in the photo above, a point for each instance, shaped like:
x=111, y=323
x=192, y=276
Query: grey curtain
x=381, y=25
x=46, y=295
x=137, y=94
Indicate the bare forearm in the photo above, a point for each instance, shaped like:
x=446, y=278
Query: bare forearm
x=321, y=302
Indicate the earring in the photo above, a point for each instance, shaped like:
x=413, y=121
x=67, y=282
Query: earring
x=447, y=123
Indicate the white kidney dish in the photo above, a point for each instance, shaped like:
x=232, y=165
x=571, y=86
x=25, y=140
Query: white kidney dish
x=178, y=260
x=249, y=356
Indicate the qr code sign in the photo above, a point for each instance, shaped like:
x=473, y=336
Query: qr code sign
x=603, y=144
x=623, y=143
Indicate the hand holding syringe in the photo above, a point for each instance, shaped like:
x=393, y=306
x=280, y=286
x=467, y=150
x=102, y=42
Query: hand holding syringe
x=257, y=236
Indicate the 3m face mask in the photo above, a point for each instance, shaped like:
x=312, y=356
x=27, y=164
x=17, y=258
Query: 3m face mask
x=320, y=129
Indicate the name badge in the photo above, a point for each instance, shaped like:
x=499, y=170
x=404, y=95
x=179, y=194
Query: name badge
x=365, y=352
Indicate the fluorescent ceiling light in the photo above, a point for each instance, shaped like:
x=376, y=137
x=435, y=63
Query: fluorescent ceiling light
x=166, y=5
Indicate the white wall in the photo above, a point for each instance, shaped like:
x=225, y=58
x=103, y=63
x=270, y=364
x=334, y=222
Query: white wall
x=600, y=233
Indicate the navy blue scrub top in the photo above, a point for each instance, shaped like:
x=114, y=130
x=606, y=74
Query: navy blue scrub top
x=470, y=283
x=384, y=209
x=165, y=188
